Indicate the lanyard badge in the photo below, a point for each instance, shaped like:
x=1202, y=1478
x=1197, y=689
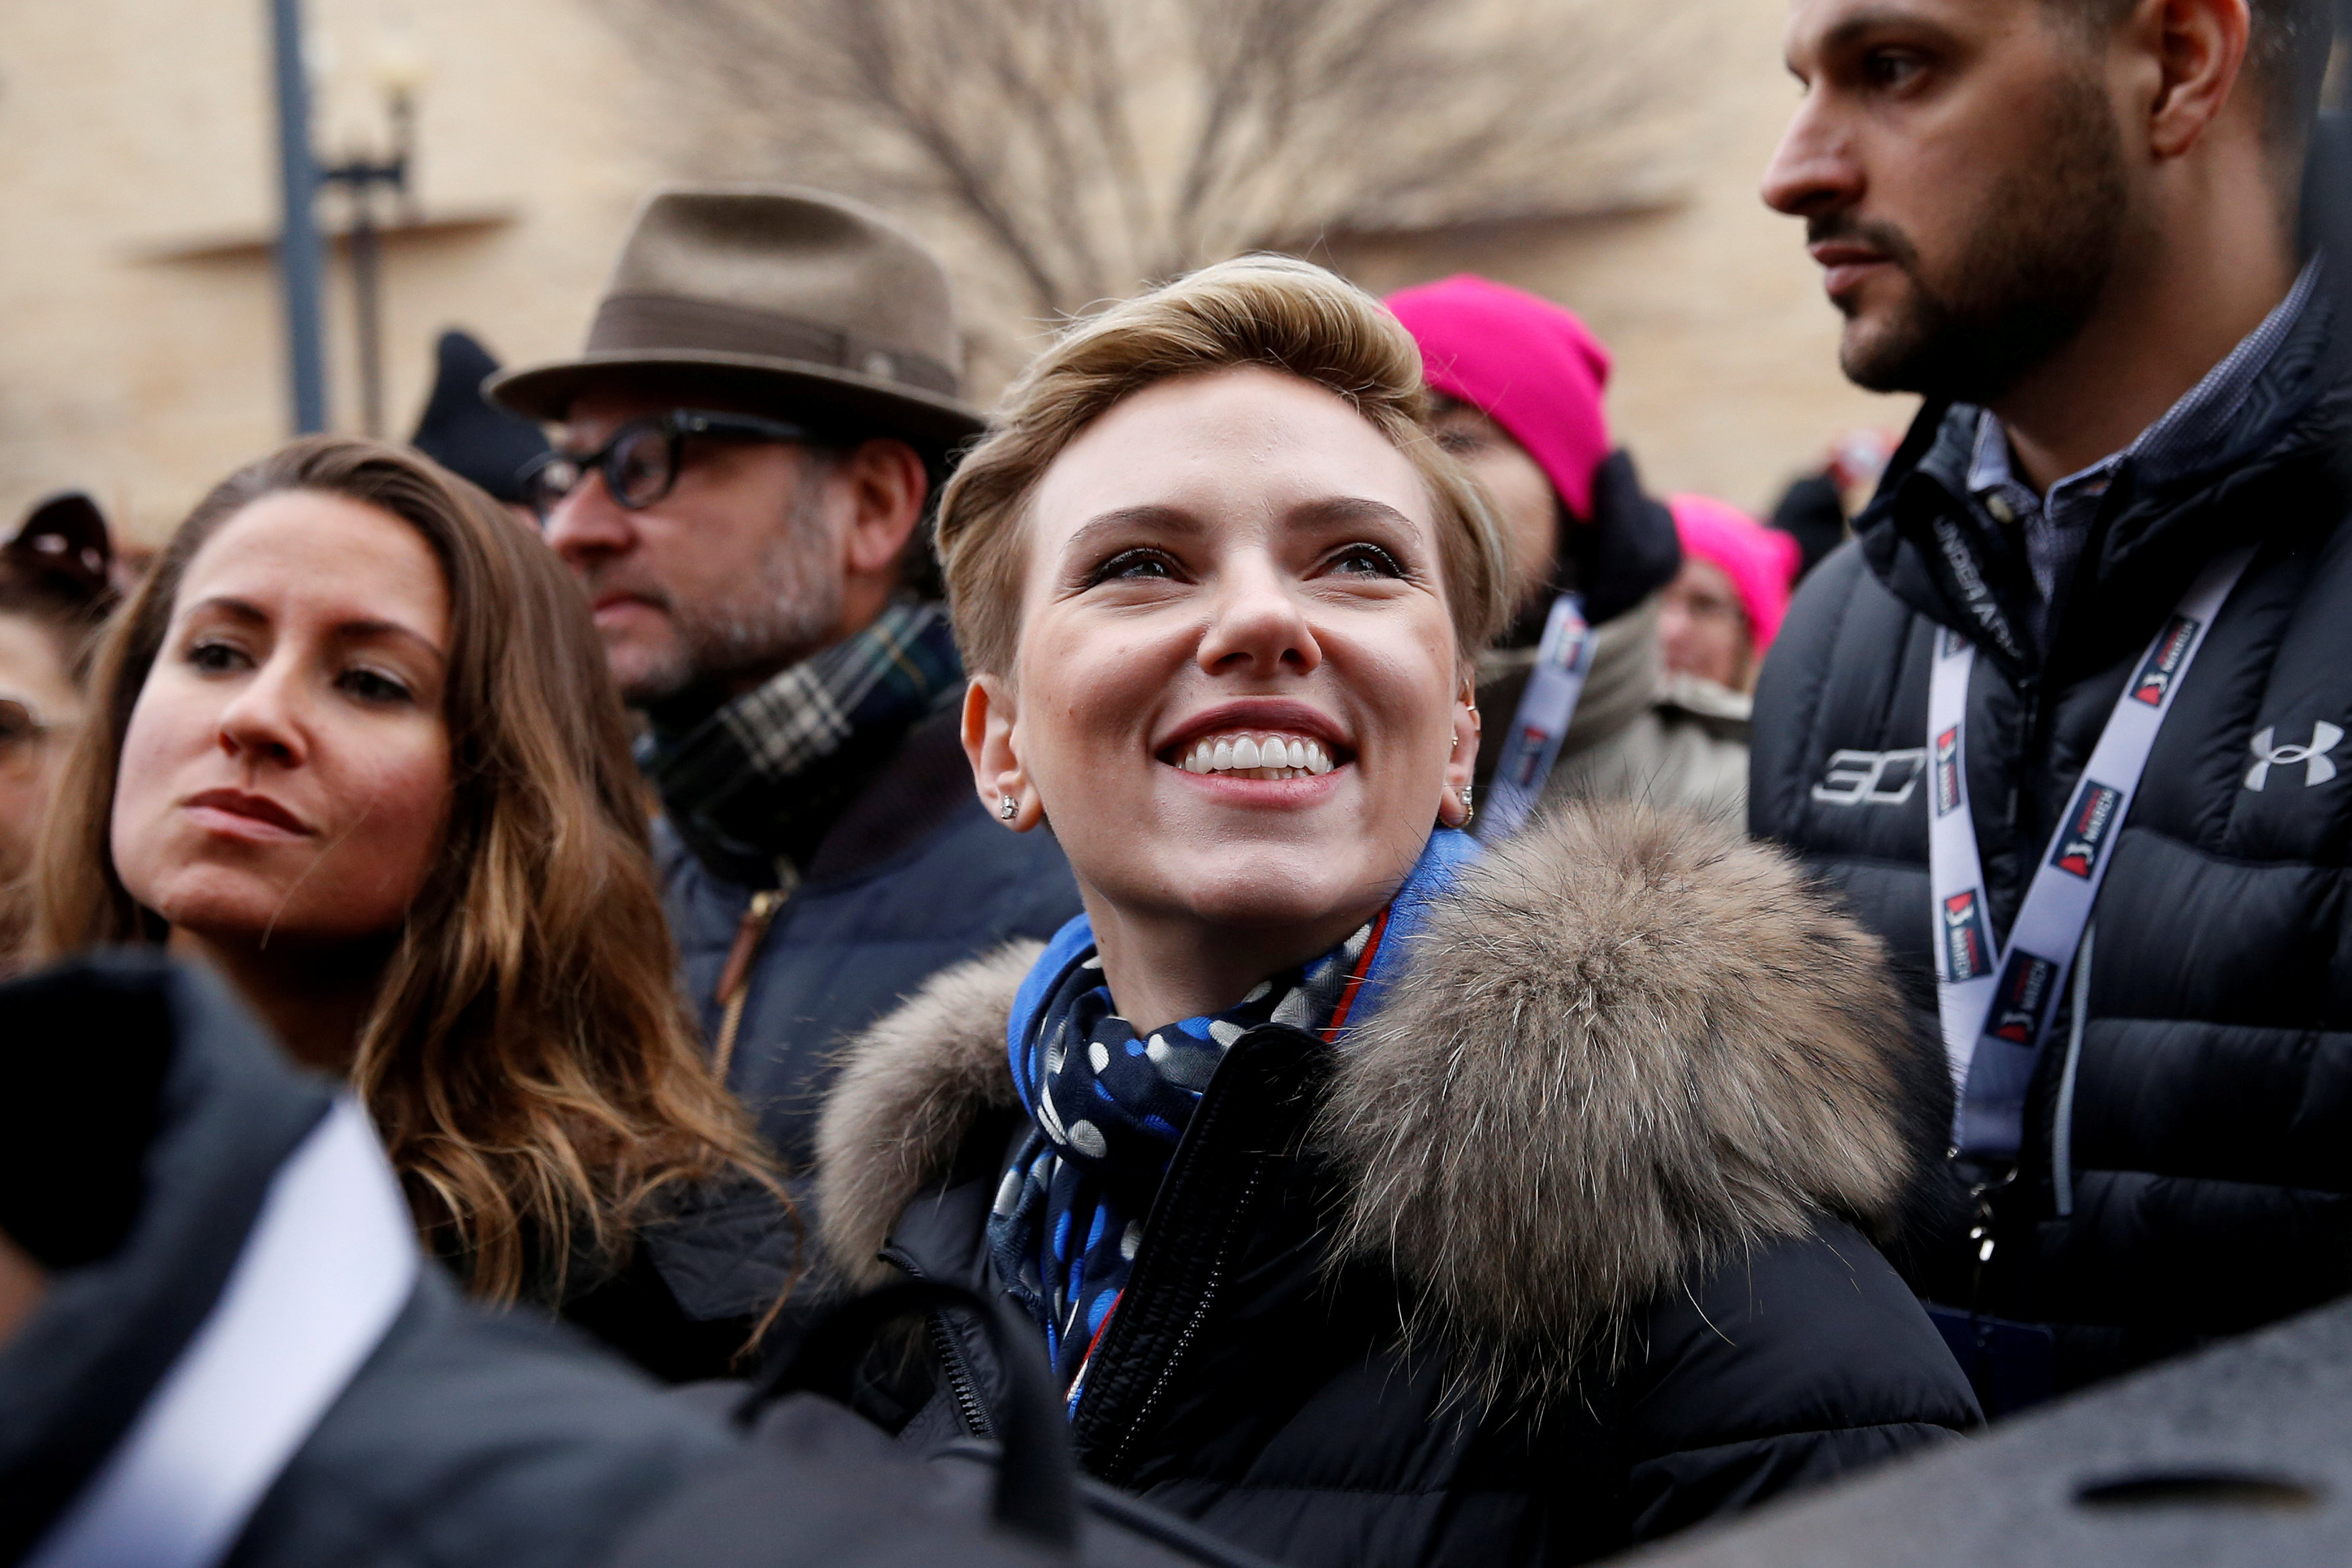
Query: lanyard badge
x=1556, y=681
x=1996, y=1000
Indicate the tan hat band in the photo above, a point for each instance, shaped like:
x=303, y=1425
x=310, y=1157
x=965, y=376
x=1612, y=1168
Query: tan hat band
x=643, y=322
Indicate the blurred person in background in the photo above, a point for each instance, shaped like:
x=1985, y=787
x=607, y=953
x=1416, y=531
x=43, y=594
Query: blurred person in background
x=468, y=434
x=1723, y=607
x=749, y=445
x=1815, y=508
x=55, y=589
x=1517, y=383
x=2066, y=720
x=1380, y=1200
x=353, y=744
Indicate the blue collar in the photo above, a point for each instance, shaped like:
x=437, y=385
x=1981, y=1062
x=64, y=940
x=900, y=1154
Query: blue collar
x=1442, y=860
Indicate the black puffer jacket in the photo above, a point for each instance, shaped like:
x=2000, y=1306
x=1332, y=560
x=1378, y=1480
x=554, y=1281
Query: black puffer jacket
x=2202, y=1183
x=1604, y=1160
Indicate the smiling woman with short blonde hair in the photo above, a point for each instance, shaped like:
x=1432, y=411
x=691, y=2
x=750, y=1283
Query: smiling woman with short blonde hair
x=1376, y=1199
x=1264, y=310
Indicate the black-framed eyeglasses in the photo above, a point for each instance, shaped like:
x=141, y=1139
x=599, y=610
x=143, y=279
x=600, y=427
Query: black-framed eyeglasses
x=642, y=459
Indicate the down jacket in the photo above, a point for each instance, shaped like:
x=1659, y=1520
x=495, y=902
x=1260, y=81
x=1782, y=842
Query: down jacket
x=2188, y=1161
x=1563, y=1249
x=1637, y=732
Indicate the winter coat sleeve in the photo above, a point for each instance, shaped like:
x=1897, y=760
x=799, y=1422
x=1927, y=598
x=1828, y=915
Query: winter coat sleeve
x=1802, y=1361
x=468, y=1439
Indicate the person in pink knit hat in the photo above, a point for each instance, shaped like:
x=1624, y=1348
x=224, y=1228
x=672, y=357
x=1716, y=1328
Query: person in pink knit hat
x=1725, y=606
x=1517, y=383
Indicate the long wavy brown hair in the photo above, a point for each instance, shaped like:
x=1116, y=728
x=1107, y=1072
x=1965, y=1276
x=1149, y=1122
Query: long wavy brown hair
x=528, y=1060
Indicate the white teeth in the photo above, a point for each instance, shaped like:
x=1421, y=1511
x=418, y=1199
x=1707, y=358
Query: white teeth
x=1257, y=757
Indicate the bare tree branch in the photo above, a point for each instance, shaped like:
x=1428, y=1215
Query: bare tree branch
x=1087, y=146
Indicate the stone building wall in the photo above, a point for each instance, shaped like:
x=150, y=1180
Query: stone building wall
x=141, y=347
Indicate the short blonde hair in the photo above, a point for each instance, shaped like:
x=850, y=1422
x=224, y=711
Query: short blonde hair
x=1265, y=310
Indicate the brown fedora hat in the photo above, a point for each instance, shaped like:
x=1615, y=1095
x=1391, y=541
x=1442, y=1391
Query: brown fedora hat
x=774, y=292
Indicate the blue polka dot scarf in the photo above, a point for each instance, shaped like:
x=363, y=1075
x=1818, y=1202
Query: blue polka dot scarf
x=1109, y=1107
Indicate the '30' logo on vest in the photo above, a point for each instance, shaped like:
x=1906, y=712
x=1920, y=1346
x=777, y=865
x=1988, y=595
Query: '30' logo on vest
x=2318, y=768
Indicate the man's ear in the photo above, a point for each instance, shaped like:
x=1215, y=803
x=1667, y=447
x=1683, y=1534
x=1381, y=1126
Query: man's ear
x=2197, y=49
x=887, y=486
x=991, y=744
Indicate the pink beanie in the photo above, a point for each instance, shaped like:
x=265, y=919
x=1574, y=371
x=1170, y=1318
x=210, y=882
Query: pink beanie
x=1761, y=562
x=1527, y=362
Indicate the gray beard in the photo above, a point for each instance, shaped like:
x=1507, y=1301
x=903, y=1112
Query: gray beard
x=781, y=612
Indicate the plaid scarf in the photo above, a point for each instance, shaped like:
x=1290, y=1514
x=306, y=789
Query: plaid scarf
x=763, y=778
x=1110, y=1109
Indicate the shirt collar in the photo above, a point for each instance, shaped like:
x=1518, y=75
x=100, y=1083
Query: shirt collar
x=2187, y=434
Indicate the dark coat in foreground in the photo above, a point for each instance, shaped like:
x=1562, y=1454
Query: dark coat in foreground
x=1564, y=1250
x=911, y=877
x=2187, y=1169
x=146, y=1121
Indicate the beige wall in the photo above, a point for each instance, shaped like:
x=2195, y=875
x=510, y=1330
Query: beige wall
x=1725, y=379
x=140, y=352
x=135, y=132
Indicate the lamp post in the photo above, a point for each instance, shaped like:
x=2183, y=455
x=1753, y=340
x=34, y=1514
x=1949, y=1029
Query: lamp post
x=361, y=176
x=299, y=263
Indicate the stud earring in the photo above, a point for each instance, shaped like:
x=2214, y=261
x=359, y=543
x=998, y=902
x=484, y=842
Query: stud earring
x=1007, y=808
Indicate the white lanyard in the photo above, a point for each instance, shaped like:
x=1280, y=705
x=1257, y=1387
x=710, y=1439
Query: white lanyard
x=1996, y=999
x=330, y=1263
x=1556, y=680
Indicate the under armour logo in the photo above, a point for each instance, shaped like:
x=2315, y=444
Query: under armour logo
x=2318, y=768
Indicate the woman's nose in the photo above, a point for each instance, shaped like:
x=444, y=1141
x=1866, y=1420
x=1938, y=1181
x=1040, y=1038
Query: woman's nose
x=264, y=719
x=1259, y=627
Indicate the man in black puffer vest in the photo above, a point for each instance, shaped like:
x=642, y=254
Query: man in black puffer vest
x=2070, y=224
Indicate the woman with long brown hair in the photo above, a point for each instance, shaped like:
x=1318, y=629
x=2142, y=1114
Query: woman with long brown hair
x=353, y=744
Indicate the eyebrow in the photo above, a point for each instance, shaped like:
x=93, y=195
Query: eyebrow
x=1349, y=509
x=1170, y=519
x=360, y=631
x=1880, y=19
x=1175, y=520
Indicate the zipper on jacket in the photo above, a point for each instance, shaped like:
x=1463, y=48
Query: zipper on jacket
x=964, y=1384
x=1254, y=1105
x=1211, y=1287
x=735, y=980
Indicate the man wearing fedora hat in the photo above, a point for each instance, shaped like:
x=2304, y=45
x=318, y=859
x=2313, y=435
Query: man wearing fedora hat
x=750, y=442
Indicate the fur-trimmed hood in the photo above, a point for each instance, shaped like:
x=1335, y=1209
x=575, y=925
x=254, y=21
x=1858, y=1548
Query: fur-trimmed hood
x=1629, y=1044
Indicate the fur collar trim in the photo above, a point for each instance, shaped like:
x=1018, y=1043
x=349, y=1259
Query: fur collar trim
x=1680, y=1050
